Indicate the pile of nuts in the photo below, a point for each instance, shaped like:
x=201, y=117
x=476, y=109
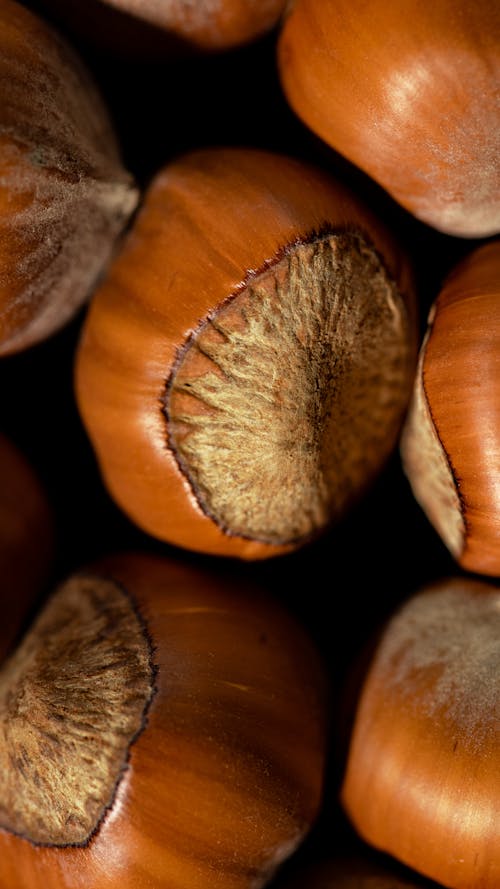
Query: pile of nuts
x=250, y=444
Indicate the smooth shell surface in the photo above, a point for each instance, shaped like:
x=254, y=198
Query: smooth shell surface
x=423, y=772
x=207, y=24
x=451, y=441
x=409, y=93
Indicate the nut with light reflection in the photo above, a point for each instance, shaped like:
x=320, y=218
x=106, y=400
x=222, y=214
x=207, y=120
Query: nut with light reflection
x=451, y=440
x=161, y=726
x=423, y=773
x=245, y=366
x=407, y=91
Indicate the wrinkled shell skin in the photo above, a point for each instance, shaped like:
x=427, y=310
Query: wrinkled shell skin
x=226, y=778
x=26, y=541
x=208, y=219
x=460, y=372
x=64, y=196
x=409, y=92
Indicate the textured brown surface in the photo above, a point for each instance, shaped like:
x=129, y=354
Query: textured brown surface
x=64, y=196
x=211, y=224
x=226, y=778
x=408, y=92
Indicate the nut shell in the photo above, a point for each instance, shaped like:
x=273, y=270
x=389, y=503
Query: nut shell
x=422, y=780
x=409, y=93
x=207, y=24
x=451, y=441
x=64, y=194
x=155, y=29
x=226, y=777
x=211, y=223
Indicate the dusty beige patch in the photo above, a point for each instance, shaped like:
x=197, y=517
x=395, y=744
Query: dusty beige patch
x=288, y=399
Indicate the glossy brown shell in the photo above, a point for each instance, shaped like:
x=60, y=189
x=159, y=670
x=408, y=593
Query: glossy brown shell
x=422, y=779
x=207, y=24
x=407, y=91
x=226, y=778
x=209, y=222
x=460, y=376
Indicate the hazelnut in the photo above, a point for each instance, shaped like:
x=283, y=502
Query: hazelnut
x=64, y=194
x=161, y=725
x=408, y=92
x=423, y=774
x=245, y=366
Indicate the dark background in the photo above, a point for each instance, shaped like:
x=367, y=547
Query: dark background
x=343, y=586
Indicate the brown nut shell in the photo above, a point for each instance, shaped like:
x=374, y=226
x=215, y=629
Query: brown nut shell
x=408, y=92
x=244, y=367
x=192, y=749
x=26, y=540
x=64, y=195
x=451, y=440
x=167, y=29
x=207, y=24
x=423, y=780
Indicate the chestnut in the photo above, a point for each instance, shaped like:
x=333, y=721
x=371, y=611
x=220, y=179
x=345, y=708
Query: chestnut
x=450, y=445
x=26, y=540
x=64, y=194
x=422, y=780
x=162, y=725
x=408, y=92
x=245, y=365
